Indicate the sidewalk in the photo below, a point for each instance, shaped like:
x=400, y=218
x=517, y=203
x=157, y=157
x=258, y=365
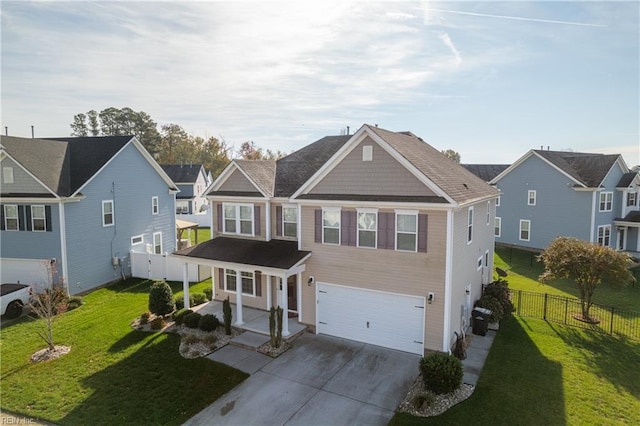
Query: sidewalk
x=477, y=352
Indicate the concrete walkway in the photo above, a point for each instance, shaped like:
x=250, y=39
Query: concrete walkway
x=477, y=352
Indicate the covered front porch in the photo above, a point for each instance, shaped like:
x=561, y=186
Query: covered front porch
x=627, y=234
x=254, y=275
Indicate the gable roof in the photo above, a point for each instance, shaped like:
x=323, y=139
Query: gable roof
x=627, y=179
x=261, y=172
x=66, y=164
x=586, y=169
x=486, y=172
x=183, y=173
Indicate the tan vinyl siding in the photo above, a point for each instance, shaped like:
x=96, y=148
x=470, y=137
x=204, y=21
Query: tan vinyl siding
x=380, y=269
x=263, y=220
x=238, y=182
x=382, y=176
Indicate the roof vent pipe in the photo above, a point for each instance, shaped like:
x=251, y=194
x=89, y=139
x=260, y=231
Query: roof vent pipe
x=6, y=131
x=32, y=134
x=348, y=130
x=547, y=147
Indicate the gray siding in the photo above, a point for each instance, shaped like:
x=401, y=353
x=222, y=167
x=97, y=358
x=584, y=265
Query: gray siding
x=22, y=181
x=131, y=182
x=186, y=190
x=606, y=218
x=382, y=176
x=559, y=210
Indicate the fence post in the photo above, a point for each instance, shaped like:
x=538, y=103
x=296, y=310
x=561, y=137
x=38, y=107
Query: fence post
x=544, y=316
x=611, y=326
x=566, y=308
x=519, y=300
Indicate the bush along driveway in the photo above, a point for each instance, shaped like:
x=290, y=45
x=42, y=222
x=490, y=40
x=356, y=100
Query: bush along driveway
x=113, y=374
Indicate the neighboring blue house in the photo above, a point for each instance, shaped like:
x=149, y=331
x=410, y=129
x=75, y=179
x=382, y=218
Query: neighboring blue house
x=81, y=205
x=545, y=194
x=192, y=181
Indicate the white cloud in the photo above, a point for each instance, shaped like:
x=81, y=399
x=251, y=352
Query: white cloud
x=449, y=43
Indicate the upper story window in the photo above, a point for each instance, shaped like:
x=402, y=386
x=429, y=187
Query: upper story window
x=497, y=227
x=107, y=213
x=498, y=202
x=406, y=230
x=154, y=205
x=157, y=242
x=11, y=217
x=604, y=235
x=531, y=197
x=488, y=213
x=632, y=199
x=479, y=263
x=470, y=225
x=38, y=219
x=367, y=228
x=525, y=230
x=331, y=225
x=290, y=221
x=7, y=174
x=238, y=219
x=606, y=201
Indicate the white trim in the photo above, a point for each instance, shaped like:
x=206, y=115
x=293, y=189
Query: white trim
x=297, y=268
x=375, y=230
x=469, y=233
x=332, y=210
x=267, y=219
x=395, y=235
x=154, y=242
x=33, y=218
x=238, y=275
x=63, y=245
x=290, y=206
x=155, y=205
x=16, y=218
x=499, y=220
x=377, y=204
x=593, y=217
x=448, y=284
x=604, y=229
x=34, y=177
x=479, y=263
x=141, y=237
x=531, y=195
x=488, y=213
x=528, y=230
x=113, y=213
x=299, y=230
x=226, y=173
x=238, y=220
x=521, y=160
x=604, y=194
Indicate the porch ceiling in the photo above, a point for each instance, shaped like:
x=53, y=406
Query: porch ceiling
x=276, y=254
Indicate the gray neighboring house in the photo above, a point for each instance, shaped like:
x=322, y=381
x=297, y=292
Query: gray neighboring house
x=78, y=206
x=546, y=194
x=192, y=181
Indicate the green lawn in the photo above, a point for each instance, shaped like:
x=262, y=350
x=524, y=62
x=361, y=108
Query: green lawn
x=113, y=375
x=204, y=234
x=539, y=373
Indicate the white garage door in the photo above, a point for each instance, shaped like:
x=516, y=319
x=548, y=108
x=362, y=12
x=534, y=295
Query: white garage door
x=26, y=271
x=385, y=319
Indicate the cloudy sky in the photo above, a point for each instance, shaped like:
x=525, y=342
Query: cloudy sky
x=488, y=79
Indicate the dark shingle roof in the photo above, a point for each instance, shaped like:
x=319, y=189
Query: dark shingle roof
x=587, y=168
x=626, y=179
x=486, y=172
x=182, y=173
x=64, y=164
x=277, y=254
x=632, y=216
x=261, y=172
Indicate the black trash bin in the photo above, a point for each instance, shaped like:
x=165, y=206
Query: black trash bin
x=480, y=318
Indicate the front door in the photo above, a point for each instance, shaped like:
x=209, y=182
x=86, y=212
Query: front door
x=620, y=239
x=292, y=292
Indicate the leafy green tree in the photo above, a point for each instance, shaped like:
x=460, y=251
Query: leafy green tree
x=250, y=151
x=79, y=125
x=588, y=265
x=454, y=155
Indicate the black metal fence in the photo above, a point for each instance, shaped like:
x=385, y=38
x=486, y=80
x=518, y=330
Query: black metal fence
x=566, y=310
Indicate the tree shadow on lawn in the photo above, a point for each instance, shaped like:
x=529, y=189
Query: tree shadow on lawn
x=612, y=358
x=518, y=385
x=134, y=337
x=154, y=385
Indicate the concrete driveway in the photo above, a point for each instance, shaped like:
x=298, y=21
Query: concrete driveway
x=322, y=380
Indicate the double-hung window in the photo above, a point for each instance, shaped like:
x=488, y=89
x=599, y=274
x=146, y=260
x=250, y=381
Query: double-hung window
x=154, y=205
x=238, y=219
x=38, y=220
x=531, y=197
x=367, y=228
x=606, y=201
x=632, y=199
x=525, y=230
x=11, y=217
x=290, y=221
x=247, y=282
x=497, y=227
x=107, y=213
x=488, y=213
x=157, y=242
x=470, y=225
x=331, y=225
x=604, y=235
x=407, y=230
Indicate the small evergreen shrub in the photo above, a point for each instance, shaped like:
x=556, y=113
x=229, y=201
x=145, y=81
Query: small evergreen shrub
x=179, y=301
x=208, y=292
x=226, y=312
x=210, y=339
x=158, y=323
x=500, y=290
x=144, y=318
x=74, y=302
x=179, y=315
x=198, y=298
x=493, y=304
x=441, y=373
x=191, y=320
x=190, y=339
x=161, y=298
x=208, y=322
x=423, y=400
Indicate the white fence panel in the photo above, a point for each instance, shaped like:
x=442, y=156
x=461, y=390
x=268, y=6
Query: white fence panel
x=160, y=267
x=202, y=219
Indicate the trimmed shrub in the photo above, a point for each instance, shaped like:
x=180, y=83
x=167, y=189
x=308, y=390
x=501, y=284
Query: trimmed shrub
x=190, y=339
x=191, y=320
x=210, y=339
x=226, y=312
x=178, y=316
x=179, y=300
x=161, y=298
x=500, y=290
x=423, y=400
x=208, y=293
x=158, y=323
x=144, y=318
x=208, y=322
x=198, y=298
x=490, y=302
x=441, y=373
x=74, y=302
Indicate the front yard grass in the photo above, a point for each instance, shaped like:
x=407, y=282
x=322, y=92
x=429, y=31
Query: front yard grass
x=543, y=373
x=113, y=374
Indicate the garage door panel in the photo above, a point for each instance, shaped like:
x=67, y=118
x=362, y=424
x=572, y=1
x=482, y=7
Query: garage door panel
x=379, y=318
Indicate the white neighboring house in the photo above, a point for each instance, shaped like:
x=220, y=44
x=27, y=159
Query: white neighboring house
x=192, y=180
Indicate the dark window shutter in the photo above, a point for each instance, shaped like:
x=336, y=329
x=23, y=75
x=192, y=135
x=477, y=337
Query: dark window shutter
x=27, y=212
x=219, y=211
x=21, y=218
x=318, y=225
x=391, y=231
x=344, y=228
x=279, y=221
x=382, y=230
x=47, y=217
x=221, y=278
x=1, y=217
x=256, y=220
x=258, y=284
x=422, y=232
x=353, y=228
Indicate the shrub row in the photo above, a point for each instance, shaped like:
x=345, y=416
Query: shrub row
x=194, y=299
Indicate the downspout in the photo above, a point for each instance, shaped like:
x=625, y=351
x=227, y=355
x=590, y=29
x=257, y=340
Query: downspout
x=448, y=283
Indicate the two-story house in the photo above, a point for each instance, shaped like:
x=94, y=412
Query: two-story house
x=375, y=237
x=546, y=194
x=78, y=206
x=192, y=180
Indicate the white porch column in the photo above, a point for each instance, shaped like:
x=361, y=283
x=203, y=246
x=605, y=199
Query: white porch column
x=239, y=320
x=285, y=307
x=299, y=295
x=269, y=303
x=213, y=283
x=185, y=284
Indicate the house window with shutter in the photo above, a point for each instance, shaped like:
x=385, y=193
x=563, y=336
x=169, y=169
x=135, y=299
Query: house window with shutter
x=247, y=282
x=38, y=219
x=407, y=230
x=238, y=219
x=331, y=225
x=11, y=217
x=290, y=221
x=367, y=228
